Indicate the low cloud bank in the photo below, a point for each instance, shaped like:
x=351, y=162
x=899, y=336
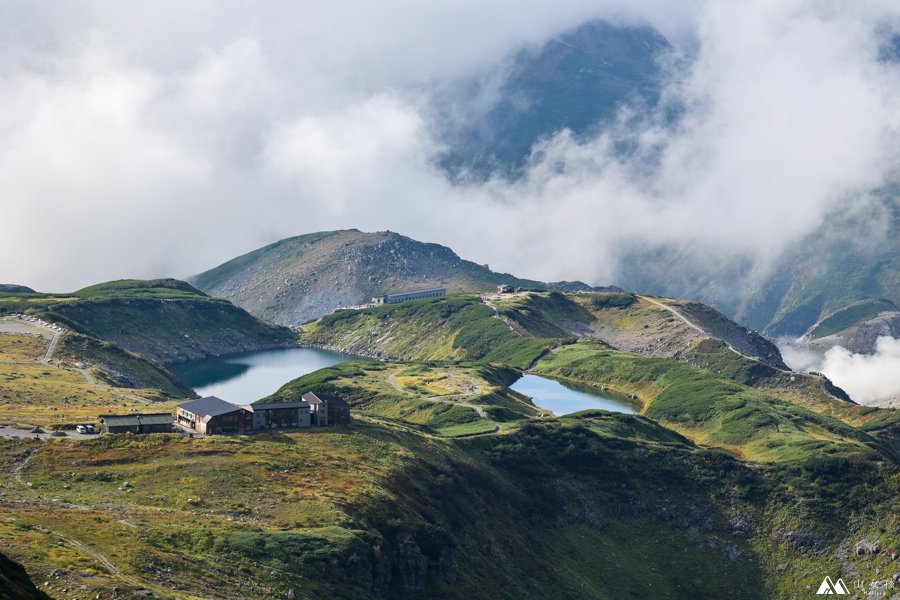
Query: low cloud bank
x=163, y=142
x=799, y=358
x=867, y=378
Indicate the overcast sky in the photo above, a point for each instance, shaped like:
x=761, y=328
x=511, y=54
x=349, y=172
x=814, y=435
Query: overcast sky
x=160, y=139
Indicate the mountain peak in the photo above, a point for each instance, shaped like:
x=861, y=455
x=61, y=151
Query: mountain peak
x=304, y=277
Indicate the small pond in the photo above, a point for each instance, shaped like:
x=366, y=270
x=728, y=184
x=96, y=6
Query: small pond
x=564, y=398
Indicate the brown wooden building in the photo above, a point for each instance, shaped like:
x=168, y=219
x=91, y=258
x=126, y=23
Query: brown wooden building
x=136, y=423
x=213, y=415
x=280, y=415
x=326, y=409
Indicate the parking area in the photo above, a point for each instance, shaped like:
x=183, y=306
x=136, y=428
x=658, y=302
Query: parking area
x=16, y=432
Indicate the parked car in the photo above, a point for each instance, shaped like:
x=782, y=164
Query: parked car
x=90, y=428
x=81, y=429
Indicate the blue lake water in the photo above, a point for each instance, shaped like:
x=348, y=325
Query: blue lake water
x=564, y=398
x=247, y=377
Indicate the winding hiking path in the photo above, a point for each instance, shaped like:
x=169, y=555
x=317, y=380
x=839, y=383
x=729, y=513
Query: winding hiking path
x=488, y=301
x=24, y=325
x=51, y=348
x=672, y=310
x=442, y=399
x=100, y=558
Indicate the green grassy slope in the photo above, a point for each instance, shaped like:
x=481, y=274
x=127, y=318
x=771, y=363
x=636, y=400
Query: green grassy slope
x=850, y=316
x=12, y=288
x=717, y=490
x=452, y=399
x=119, y=367
x=458, y=327
x=709, y=409
x=852, y=258
x=166, y=321
x=762, y=413
x=463, y=328
x=590, y=506
x=544, y=315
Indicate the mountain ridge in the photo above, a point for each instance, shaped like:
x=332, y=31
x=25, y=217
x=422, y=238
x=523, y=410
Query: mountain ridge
x=304, y=277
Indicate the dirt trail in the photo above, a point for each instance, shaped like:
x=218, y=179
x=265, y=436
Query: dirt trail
x=487, y=300
x=672, y=310
x=442, y=399
x=17, y=473
x=23, y=325
x=100, y=558
x=88, y=377
x=51, y=348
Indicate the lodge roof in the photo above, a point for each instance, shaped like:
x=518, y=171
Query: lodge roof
x=319, y=398
x=210, y=406
x=136, y=419
x=120, y=420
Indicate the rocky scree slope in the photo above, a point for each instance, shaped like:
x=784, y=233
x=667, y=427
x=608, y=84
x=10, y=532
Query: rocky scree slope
x=856, y=328
x=302, y=278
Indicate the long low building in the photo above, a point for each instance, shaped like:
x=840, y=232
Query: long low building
x=136, y=423
x=280, y=415
x=213, y=415
x=398, y=298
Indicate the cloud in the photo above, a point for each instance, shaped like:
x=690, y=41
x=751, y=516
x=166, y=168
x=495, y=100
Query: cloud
x=800, y=358
x=149, y=141
x=866, y=377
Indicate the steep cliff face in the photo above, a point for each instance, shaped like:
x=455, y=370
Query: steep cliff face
x=858, y=337
x=15, y=583
x=302, y=278
x=578, y=81
x=742, y=339
x=660, y=327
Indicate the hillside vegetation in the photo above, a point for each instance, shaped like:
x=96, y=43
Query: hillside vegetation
x=15, y=289
x=15, y=584
x=853, y=257
x=165, y=321
x=767, y=401
x=447, y=484
x=76, y=386
x=602, y=505
x=577, y=81
x=856, y=328
x=709, y=409
x=454, y=399
x=454, y=328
